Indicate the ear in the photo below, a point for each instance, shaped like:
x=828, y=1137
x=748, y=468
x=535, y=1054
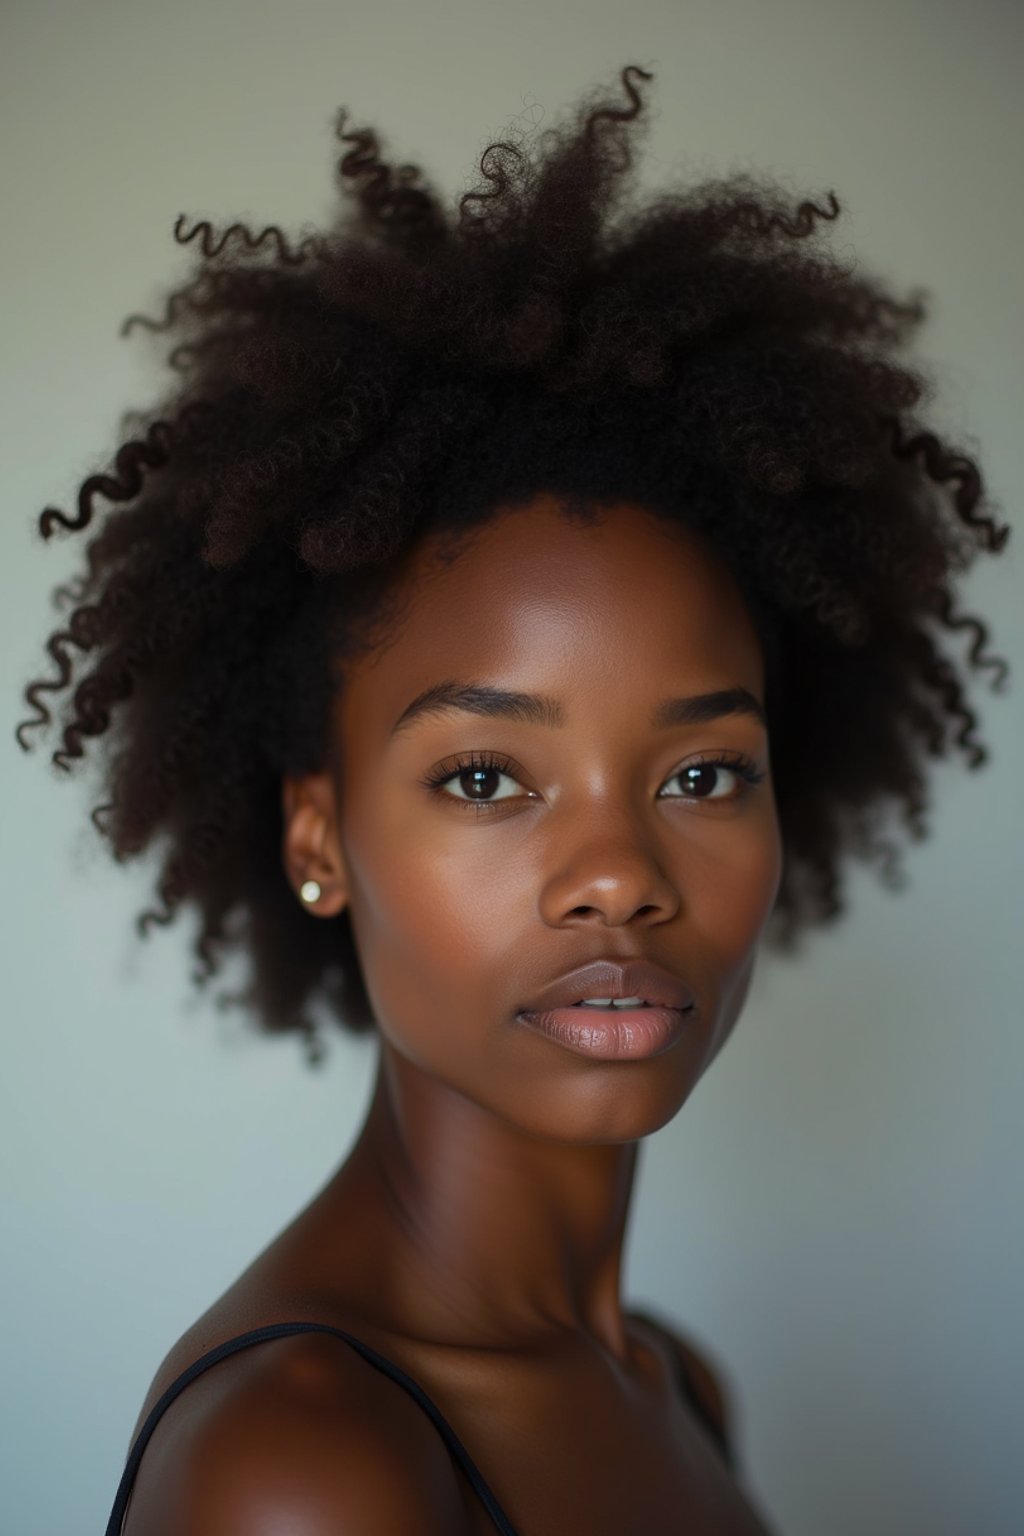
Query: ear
x=310, y=846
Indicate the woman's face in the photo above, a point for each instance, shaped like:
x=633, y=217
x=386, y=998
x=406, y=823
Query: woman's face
x=587, y=840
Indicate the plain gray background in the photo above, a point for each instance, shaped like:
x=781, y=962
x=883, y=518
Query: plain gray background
x=836, y=1213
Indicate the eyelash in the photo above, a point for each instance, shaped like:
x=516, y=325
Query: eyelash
x=736, y=762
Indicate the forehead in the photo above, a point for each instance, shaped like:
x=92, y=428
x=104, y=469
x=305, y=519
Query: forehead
x=534, y=599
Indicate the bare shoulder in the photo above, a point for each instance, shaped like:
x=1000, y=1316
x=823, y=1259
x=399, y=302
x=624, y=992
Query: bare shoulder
x=295, y=1434
x=706, y=1374
x=708, y=1378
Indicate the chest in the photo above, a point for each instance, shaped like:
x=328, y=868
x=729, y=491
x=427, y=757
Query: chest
x=597, y=1460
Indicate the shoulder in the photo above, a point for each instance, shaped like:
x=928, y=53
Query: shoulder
x=296, y=1434
x=707, y=1379
x=708, y=1382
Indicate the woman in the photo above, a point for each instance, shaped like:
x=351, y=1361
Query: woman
x=511, y=620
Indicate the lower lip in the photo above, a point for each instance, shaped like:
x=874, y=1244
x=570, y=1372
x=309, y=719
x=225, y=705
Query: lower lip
x=607, y=1034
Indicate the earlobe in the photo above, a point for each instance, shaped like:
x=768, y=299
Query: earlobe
x=310, y=847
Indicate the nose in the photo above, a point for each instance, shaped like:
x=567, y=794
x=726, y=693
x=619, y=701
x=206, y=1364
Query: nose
x=610, y=874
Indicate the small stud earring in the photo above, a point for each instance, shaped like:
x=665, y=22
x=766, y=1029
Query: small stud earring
x=310, y=891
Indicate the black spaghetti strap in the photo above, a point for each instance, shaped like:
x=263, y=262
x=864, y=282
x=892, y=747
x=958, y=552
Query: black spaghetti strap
x=277, y=1331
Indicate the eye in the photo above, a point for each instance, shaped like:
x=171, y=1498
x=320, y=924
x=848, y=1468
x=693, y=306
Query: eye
x=478, y=775
x=704, y=778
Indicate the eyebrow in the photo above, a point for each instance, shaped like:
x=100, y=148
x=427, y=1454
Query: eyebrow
x=540, y=709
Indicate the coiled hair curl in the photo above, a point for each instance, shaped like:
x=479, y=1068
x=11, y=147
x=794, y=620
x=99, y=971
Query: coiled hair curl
x=412, y=368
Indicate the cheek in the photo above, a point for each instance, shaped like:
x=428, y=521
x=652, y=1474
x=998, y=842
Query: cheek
x=426, y=913
x=731, y=912
x=762, y=874
x=730, y=884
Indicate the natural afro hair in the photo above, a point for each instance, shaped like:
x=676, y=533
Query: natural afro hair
x=415, y=368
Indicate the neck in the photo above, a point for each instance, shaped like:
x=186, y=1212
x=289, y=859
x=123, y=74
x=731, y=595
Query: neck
x=477, y=1232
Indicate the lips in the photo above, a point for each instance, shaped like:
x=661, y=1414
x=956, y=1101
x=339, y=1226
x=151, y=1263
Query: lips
x=613, y=978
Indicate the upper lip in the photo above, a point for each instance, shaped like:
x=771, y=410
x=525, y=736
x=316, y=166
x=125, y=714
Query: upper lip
x=613, y=978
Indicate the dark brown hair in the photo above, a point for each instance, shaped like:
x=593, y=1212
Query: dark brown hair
x=413, y=368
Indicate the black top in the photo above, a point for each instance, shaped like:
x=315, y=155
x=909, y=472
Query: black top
x=278, y=1330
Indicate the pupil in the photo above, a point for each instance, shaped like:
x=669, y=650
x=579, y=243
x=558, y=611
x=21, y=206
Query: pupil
x=476, y=775
x=693, y=775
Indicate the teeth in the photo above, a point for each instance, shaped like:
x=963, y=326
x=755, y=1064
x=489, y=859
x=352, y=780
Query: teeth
x=611, y=1002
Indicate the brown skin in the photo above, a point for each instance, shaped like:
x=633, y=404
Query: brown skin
x=475, y=1232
